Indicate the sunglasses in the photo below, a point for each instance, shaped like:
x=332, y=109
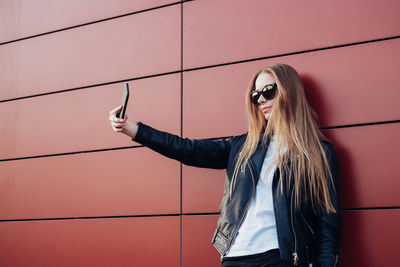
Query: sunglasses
x=268, y=92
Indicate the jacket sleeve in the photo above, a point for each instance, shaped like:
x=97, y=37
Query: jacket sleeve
x=203, y=153
x=327, y=230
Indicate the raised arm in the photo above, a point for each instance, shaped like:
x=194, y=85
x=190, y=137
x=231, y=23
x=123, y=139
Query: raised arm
x=195, y=152
x=203, y=153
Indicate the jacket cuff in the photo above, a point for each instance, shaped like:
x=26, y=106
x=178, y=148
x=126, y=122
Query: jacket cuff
x=141, y=133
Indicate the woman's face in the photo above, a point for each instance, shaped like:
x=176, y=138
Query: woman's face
x=265, y=105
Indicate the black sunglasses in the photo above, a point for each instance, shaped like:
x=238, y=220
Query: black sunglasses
x=268, y=92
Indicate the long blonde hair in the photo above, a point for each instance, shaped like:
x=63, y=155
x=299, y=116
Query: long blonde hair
x=296, y=124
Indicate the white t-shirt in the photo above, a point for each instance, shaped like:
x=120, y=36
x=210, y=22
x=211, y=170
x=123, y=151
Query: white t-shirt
x=258, y=233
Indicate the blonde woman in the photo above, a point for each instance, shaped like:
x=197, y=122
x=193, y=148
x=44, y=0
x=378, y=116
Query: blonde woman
x=281, y=200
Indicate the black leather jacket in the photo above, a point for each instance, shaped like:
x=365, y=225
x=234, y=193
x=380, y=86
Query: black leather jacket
x=302, y=234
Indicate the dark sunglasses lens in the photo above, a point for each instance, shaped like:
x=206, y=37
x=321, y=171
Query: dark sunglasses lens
x=269, y=94
x=254, y=97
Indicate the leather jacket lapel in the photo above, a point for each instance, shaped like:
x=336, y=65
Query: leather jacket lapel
x=257, y=159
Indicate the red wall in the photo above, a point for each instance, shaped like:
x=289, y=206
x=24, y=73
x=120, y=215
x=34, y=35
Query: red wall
x=74, y=193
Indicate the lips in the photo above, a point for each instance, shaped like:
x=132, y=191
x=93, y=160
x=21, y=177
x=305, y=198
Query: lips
x=264, y=109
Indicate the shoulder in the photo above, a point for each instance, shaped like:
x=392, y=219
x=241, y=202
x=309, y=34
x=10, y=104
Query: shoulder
x=239, y=139
x=331, y=156
x=326, y=142
x=328, y=146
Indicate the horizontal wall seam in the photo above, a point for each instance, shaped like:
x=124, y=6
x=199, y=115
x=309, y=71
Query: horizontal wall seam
x=172, y=215
x=371, y=208
x=94, y=217
x=91, y=86
x=214, y=138
x=205, y=67
x=200, y=213
x=72, y=153
x=359, y=124
x=333, y=127
x=296, y=53
x=93, y=22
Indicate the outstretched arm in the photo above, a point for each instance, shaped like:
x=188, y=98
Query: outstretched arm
x=195, y=152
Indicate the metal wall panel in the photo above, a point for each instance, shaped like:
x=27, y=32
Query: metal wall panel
x=98, y=242
x=78, y=120
x=124, y=48
x=197, y=232
x=368, y=157
x=110, y=183
x=216, y=32
x=202, y=189
x=21, y=17
x=369, y=238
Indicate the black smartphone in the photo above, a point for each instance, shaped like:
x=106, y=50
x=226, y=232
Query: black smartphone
x=124, y=102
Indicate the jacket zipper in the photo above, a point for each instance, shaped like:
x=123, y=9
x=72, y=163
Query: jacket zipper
x=273, y=200
x=295, y=257
x=247, y=208
x=308, y=225
x=337, y=257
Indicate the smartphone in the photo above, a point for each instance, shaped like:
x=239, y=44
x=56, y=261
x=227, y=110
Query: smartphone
x=124, y=102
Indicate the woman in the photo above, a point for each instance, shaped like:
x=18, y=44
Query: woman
x=281, y=199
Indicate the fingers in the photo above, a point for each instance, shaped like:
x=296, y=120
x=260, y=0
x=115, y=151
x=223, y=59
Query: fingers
x=118, y=130
x=117, y=124
x=117, y=120
x=115, y=110
x=114, y=119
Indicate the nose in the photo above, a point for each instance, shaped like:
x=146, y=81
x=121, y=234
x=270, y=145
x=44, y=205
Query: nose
x=261, y=99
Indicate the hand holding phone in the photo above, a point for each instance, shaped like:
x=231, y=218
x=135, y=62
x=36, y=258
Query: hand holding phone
x=124, y=102
x=118, y=119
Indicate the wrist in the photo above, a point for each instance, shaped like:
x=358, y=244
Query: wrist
x=130, y=129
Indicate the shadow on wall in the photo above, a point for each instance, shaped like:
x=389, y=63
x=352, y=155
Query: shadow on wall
x=314, y=96
x=355, y=237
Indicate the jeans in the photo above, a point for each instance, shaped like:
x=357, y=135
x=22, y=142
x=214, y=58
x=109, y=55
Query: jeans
x=270, y=258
